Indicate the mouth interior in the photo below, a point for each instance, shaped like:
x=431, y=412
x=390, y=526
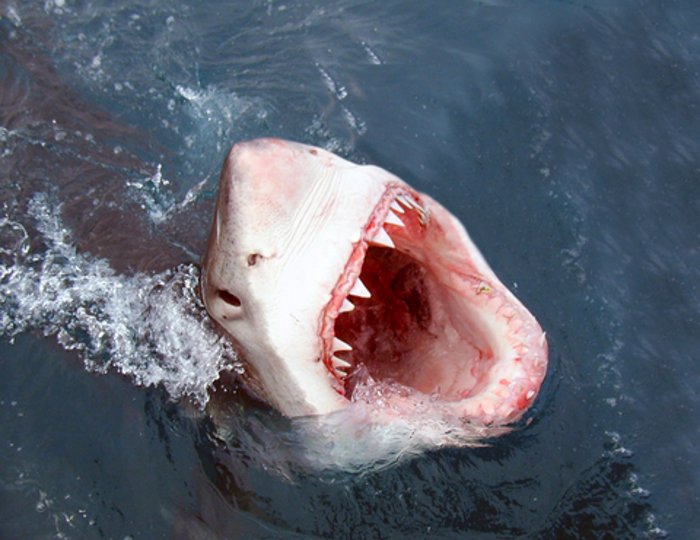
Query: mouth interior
x=413, y=329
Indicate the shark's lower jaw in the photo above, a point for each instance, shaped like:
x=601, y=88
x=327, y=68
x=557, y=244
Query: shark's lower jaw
x=404, y=311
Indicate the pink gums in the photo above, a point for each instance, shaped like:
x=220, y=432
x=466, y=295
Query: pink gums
x=350, y=274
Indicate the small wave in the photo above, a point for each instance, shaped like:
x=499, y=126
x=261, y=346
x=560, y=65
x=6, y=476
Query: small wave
x=152, y=328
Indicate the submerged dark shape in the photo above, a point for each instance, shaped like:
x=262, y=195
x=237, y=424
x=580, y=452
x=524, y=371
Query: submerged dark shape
x=322, y=271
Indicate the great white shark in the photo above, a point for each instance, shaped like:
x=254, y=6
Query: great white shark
x=322, y=272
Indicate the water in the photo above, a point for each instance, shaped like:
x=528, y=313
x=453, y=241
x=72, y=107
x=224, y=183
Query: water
x=563, y=134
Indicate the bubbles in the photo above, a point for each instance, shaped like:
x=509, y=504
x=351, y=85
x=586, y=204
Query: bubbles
x=6, y=142
x=14, y=242
x=12, y=14
x=340, y=92
x=386, y=423
x=372, y=56
x=153, y=195
x=335, y=88
x=153, y=328
x=217, y=114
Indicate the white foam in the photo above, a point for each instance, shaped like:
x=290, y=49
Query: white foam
x=371, y=54
x=152, y=328
x=335, y=88
x=385, y=423
x=12, y=14
x=154, y=195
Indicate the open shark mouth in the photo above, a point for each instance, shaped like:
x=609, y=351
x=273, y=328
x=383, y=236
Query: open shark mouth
x=393, y=312
x=325, y=274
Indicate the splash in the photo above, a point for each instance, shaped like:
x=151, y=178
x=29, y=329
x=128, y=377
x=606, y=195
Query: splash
x=155, y=196
x=386, y=423
x=152, y=328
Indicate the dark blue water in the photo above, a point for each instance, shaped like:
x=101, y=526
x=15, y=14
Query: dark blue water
x=565, y=135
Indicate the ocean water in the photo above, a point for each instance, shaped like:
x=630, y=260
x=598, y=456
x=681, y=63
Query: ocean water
x=565, y=136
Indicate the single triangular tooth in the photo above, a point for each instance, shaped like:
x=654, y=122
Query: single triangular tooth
x=382, y=238
x=347, y=306
x=393, y=219
x=396, y=207
x=339, y=363
x=359, y=289
x=340, y=373
x=340, y=345
x=406, y=201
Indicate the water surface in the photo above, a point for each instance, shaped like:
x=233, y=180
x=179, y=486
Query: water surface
x=563, y=134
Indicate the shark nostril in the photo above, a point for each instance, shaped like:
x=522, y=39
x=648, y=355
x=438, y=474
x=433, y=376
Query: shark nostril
x=229, y=298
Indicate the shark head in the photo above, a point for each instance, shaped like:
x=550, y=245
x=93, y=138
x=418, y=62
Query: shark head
x=319, y=269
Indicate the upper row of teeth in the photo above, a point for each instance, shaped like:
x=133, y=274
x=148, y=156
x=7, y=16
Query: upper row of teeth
x=397, y=208
x=359, y=289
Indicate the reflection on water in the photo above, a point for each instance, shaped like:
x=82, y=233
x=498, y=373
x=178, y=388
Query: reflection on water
x=562, y=134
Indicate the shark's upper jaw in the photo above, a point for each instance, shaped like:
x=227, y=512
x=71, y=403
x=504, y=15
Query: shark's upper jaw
x=417, y=304
x=397, y=209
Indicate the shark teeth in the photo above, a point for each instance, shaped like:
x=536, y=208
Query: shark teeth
x=407, y=201
x=397, y=210
x=340, y=345
x=359, y=289
x=396, y=207
x=382, y=238
x=347, y=306
x=339, y=363
x=393, y=219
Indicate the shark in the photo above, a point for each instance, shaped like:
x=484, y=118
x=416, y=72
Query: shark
x=325, y=273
